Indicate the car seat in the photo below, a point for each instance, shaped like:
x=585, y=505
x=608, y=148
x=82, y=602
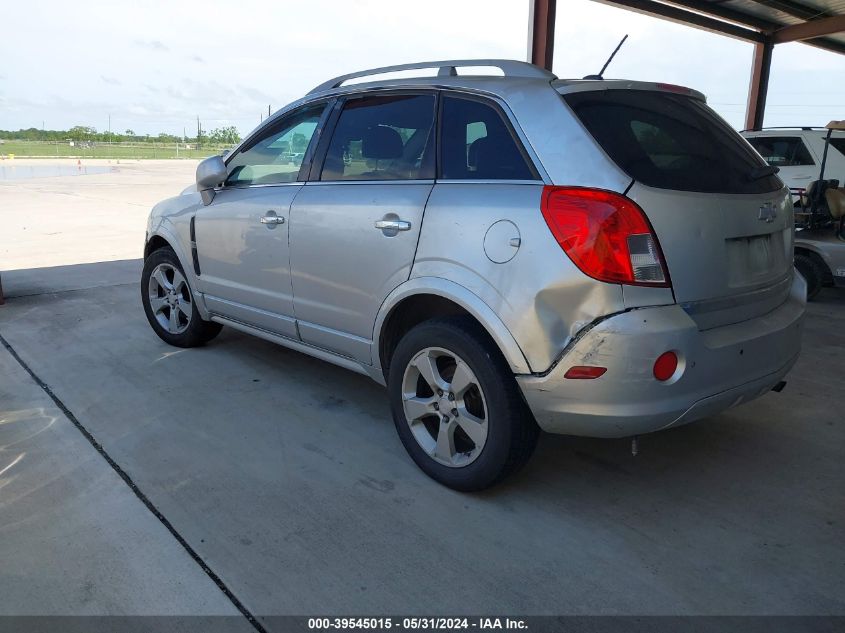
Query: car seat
x=835, y=199
x=378, y=143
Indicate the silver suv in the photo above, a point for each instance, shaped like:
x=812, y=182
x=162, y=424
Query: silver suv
x=506, y=253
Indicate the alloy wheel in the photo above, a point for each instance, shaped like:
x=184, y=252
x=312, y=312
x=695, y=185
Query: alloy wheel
x=445, y=407
x=170, y=298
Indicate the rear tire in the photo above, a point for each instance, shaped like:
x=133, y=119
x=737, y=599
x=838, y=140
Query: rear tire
x=479, y=430
x=169, y=302
x=811, y=272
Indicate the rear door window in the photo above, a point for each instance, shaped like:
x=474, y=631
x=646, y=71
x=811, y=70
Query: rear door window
x=477, y=144
x=782, y=151
x=671, y=141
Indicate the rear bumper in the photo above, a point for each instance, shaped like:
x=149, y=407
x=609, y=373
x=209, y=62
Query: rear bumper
x=718, y=369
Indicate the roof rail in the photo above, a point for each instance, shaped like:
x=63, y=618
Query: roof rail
x=447, y=68
x=786, y=127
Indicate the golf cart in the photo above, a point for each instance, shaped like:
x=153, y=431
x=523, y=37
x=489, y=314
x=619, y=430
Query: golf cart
x=820, y=227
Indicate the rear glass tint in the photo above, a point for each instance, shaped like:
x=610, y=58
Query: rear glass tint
x=839, y=144
x=476, y=144
x=671, y=141
x=782, y=151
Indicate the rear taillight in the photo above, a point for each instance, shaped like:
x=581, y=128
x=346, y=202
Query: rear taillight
x=605, y=234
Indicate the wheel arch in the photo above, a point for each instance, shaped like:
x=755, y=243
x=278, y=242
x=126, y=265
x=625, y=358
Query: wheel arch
x=421, y=299
x=154, y=243
x=162, y=237
x=827, y=275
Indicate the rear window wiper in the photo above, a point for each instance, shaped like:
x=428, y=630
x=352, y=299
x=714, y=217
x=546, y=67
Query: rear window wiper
x=761, y=172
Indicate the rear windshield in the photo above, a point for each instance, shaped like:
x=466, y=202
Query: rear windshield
x=671, y=141
x=839, y=144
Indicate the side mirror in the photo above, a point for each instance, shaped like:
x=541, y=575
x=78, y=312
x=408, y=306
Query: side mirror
x=210, y=173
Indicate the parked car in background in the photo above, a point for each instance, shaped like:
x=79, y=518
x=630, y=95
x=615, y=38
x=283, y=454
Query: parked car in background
x=797, y=153
x=820, y=217
x=506, y=253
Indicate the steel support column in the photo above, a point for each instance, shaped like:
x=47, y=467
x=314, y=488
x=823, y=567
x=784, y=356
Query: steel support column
x=541, y=32
x=758, y=88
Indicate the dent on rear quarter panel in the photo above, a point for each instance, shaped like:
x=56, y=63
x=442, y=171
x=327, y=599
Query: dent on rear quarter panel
x=540, y=296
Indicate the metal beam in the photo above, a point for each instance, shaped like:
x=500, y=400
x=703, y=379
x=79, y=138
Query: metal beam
x=718, y=10
x=827, y=44
x=683, y=16
x=809, y=30
x=699, y=13
x=758, y=87
x=790, y=7
x=541, y=32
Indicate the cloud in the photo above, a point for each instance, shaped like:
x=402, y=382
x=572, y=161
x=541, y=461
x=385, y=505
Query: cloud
x=256, y=95
x=153, y=45
x=155, y=58
x=110, y=80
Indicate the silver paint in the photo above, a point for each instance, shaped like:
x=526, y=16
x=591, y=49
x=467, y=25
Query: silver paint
x=348, y=253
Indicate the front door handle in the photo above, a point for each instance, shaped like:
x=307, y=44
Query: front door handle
x=393, y=225
x=272, y=219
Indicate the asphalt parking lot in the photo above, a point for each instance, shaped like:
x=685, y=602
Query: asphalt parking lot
x=284, y=477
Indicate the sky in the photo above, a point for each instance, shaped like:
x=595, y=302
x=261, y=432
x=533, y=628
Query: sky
x=156, y=66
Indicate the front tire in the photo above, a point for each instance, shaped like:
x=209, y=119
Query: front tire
x=456, y=405
x=169, y=302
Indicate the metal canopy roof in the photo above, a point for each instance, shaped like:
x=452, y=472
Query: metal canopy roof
x=819, y=23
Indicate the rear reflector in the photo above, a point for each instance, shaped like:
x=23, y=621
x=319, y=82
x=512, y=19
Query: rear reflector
x=584, y=372
x=665, y=366
x=605, y=234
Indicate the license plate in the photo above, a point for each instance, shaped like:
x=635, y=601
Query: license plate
x=754, y=259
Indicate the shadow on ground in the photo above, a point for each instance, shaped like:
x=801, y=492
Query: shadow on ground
x=286, y=475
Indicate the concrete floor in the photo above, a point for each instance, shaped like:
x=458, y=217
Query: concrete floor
x=285, y=475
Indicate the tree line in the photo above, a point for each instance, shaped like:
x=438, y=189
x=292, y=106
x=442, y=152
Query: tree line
x=79, y=133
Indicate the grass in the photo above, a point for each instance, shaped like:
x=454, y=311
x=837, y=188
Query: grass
x=41, y=149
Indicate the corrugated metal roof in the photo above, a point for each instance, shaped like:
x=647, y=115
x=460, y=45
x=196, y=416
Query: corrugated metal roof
x=758, y=18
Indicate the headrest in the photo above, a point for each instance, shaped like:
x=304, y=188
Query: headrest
x=381, y=142
x=495, y=156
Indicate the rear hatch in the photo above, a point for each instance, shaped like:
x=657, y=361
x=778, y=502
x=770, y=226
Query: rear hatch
x=723, y=220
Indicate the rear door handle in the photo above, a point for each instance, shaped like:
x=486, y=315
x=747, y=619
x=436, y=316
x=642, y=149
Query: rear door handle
x=272, y=219
x=393, y=225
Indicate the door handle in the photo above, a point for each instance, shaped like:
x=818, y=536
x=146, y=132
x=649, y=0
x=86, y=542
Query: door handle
x=393, y=225
x=272, y=219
